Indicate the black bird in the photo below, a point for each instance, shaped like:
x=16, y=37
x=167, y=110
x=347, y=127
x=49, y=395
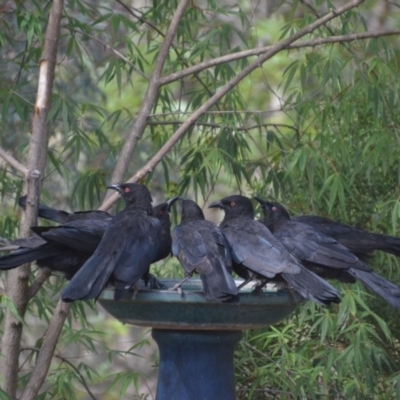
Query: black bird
x=128, y=247
x=323, y=254
x=360, y=242
x=63, y=217
x=201, y=247
x=63, y=248
x=67, y=247
x=255, y=251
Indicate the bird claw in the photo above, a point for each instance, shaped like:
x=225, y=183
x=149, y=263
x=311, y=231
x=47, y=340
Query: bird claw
x=135, y=291
x=177, y=288
x=258, y=288
x=154, y=283
x=257, y=291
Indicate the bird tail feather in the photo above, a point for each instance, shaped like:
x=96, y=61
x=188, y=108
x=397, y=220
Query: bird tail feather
x=379, y=285
x=90, y=280
x=392, y=245
x=312, y=287
x=219, y=285
x=24, y=256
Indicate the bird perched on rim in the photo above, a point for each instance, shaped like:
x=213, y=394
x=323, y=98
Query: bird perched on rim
x=257, y=253
x=65, y=248
x=322, y=254
x=201, y=247
x=360, y=242
x=128, y=247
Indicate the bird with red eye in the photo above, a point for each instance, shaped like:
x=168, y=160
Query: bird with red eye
x=65, y=248
x=129, y=245
x=257, y=254
x=323, y=254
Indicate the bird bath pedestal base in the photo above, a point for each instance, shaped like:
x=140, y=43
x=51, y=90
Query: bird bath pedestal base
x=196, y=365
x=196, y=337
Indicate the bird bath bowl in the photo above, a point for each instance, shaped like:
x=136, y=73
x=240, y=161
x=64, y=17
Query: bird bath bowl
x=197, y=337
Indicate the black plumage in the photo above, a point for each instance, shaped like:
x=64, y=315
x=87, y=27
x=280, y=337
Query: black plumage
x=358, y=241
x=323, y=254
x=256, y=252
x=64, y=217
x=63, y=248
x=128, y=247
x=67, y=247
x=201, y=247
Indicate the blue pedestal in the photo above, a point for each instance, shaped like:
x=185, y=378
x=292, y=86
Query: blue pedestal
x=196, y=365
x=196, y=337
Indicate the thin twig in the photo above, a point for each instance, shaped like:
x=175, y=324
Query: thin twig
x=46, y=352
x=40, y=279
x=9, y=248
x=108, y=202
x=259, y=51
x=115, y=51
x=149, y=99
x=13, y=162
x=177, y=52
x=216, y=126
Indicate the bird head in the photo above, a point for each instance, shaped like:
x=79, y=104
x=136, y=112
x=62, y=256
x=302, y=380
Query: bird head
x=161, y=211
x=190, y=210
x=235, y=206
x=134, y=194
x=273, y=211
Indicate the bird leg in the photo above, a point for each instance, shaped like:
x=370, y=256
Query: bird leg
x=136, y=288
x=258, y=287
x=177, y=287
x=244, y=283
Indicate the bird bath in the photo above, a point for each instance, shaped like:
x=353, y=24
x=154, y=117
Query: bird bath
x=197, y=337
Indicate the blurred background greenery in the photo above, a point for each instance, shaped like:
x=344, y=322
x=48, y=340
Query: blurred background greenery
x=316, y=128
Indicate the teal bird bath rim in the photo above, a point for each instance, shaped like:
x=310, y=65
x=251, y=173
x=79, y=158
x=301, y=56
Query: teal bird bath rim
x=165, y=309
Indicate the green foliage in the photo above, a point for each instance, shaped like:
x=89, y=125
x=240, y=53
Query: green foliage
x=316, y=128
x=339, y=352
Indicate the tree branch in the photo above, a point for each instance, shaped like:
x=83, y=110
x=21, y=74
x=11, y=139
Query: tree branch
x=224, y=90
x=178, y=53
x=63, y=359
x=42, y=366
x=218, y=126
x=258, y=51
x=150, y=97
x=40, y=279
x=13, y=162
x=17, y=284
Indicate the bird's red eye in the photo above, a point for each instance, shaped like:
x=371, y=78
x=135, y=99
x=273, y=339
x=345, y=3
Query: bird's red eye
x=126, y=190
x=161, y=212
x=232, y=204
x=274, y=208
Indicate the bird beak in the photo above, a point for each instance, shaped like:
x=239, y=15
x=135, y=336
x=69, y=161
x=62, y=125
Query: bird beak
x=171, y=202
x=260, y=200
x=216, y=204
x=116, y=187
